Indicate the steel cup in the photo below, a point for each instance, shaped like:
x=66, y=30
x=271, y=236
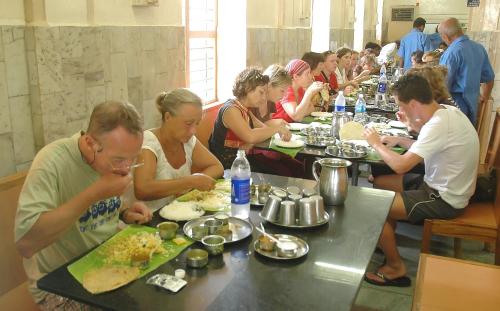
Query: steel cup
x=320, y=206
x=287, y=213
x=213, y=225
x=199, y=232
x=308, y=212
x=271, y=208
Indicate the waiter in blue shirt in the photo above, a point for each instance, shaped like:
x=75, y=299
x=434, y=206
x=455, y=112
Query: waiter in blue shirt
x=413, y=41
x=468, y=67
x=435, y=40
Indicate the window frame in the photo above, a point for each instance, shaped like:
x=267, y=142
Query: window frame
x=201, y=34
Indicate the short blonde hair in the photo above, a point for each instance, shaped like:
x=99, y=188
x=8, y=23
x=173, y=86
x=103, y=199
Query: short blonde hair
x=172, y=100
x=436, y=76
x=278, y=76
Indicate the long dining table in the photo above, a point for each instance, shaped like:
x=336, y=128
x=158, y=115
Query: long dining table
x=327, y=278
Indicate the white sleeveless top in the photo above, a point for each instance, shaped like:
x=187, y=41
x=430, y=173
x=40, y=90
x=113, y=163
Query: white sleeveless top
x=163, y=168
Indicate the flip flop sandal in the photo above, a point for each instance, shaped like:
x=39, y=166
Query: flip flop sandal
x=402, y=281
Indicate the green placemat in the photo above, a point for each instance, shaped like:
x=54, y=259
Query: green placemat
x=288, y=151
x=310, y=119
x=96, y=259
x=374, y=156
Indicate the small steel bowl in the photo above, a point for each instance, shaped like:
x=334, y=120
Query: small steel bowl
x=214, y=244
x=332, y=150
x=167, y=230
x=287, y=249
x=349, y=153
x=213, y=225
x=222, y=217
x=196, y=258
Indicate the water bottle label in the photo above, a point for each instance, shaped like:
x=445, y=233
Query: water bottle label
x=240, y=191
x=339, y=108
x=382, y=87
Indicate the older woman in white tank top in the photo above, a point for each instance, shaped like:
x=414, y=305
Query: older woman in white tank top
x=174, y=160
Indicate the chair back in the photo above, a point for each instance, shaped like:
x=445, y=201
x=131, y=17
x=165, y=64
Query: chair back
x=11, y=264
x=493, y=158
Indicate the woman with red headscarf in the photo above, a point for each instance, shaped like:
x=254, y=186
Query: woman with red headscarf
x=297, y=102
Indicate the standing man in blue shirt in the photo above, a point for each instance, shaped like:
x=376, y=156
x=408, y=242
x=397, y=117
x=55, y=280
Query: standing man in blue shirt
x=414, y=40
x=468, y=67
x=435, y=40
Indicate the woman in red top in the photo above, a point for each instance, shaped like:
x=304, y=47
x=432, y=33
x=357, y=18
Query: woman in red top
x=297, y=103
x=327, y=75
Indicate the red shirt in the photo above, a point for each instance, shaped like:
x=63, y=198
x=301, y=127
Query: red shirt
x=332, y=81
x=288, y=98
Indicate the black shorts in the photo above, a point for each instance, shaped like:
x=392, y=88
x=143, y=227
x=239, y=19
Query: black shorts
x=422, y=202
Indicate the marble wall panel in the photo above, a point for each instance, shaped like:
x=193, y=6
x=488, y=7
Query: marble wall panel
x=48, y=58
x=73, y=95
x=151, y=116
x=148, y=74
x=15, y=60
x=92, y=59
x=118, y=38
x=149, y=35
x=71, y=42
x=54, y=116
x=70, y=69
x=133, y=52
x=119, y=90
x=22, y=129
x=5, y=124
x=7, y=155
x=135, y=96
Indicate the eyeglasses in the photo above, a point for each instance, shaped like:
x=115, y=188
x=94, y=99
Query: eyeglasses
x=120, y=166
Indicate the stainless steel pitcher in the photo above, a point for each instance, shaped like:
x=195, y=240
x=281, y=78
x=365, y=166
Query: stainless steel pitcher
x=333, y=180
x=338, y=121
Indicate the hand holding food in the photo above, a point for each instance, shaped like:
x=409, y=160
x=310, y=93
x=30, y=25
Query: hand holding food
x=110, y=185
x=138, y=213
x=202, y=182
x=371, y=136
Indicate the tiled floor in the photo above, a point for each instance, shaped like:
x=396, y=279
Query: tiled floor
x=372, y=297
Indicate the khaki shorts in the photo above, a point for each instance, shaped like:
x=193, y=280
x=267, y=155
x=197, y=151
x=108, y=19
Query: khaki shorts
x=423, y=202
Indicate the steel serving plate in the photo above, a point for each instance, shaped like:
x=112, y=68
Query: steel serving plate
x=302, y=250
x=326, y=218
x=240, y=228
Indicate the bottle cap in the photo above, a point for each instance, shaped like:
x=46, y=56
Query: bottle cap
x=180, y=273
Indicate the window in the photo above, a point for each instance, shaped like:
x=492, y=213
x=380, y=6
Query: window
x=201, y=29
x=320, y=25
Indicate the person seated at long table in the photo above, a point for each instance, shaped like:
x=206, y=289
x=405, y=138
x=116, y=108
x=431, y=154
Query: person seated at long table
x=70, y=201
x=174, y=160
x=298, y=100
x=327, y=75
x=449, y=146
x=381, y=174
x=279, y=81
x=236, y=127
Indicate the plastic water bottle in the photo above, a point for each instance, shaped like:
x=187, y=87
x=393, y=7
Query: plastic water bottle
x=383, y=71
x=380, y=97
x=340, y=102
x=240, y=186
x=360, y=110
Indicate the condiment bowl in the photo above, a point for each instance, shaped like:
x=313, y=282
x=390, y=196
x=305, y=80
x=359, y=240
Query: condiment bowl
x=196, y=258
x=214, y=244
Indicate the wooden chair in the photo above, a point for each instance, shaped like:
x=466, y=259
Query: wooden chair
x=452, y=284
x=481, y=220
x=14, y=294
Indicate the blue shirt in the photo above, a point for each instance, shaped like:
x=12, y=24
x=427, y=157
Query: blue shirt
x=413, y=41
x=435, y=40
x=468, y=66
